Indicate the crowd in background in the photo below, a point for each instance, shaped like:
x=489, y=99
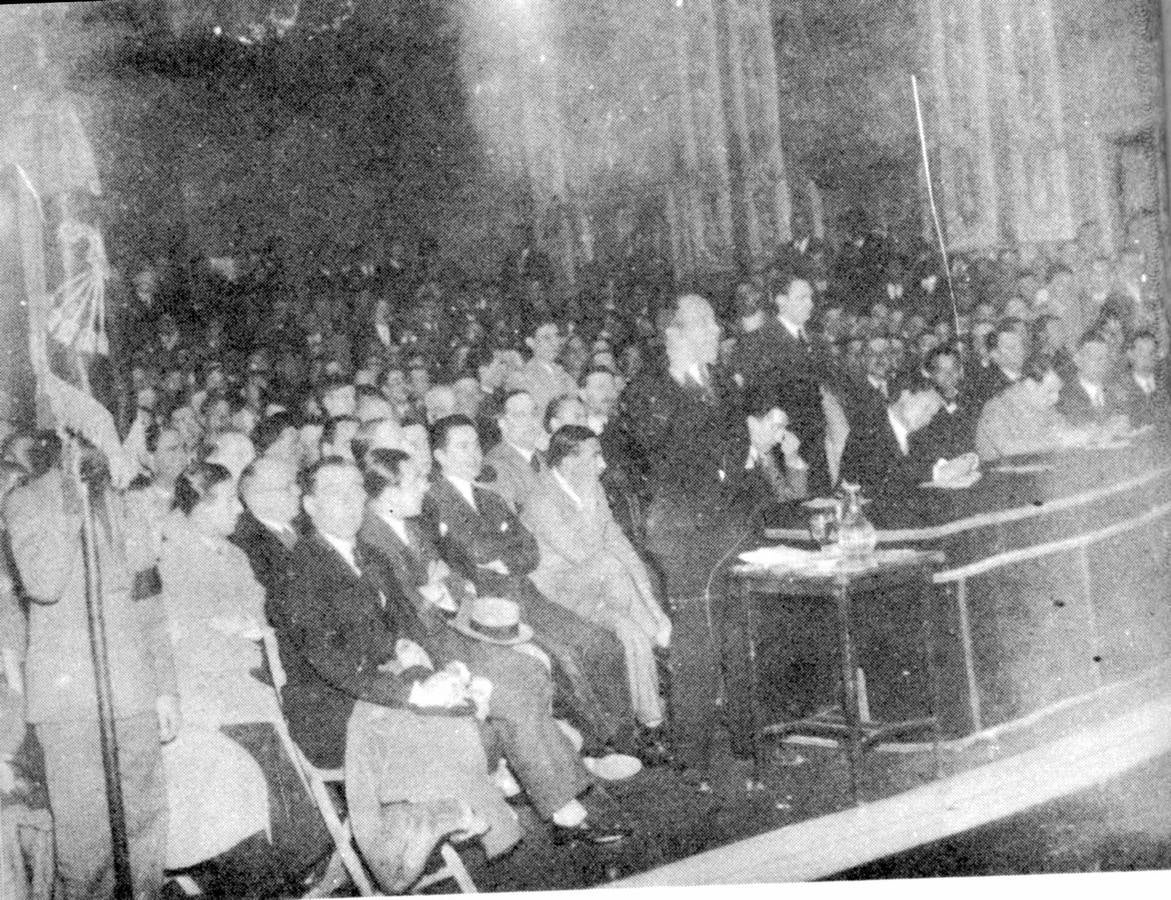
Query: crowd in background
x=477, y=525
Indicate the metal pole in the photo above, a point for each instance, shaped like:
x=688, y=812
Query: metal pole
x=123, y=885
x=955, y=311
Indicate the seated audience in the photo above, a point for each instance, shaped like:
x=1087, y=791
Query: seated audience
x=482, y=539
x=564, y=410
x=882, y=454
x=276, y=436
x=233, y=450
x=1088, y=398
x=516, y=460
x=1023, y=418
x=544, y=761
x=598, y=389
x=405, y=733
x=337, y=436
x=785, y=478
x=1006, y=355
x=588, y=565
x=372, y=405
x=952, y=430
x=216, y=620
x=438, y=401
x=1143, y=389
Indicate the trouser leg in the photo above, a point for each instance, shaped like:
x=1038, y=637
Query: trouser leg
x=540, y=756
x=693, y=555
x=590, y=664
x=642, y=672
x=77, y=797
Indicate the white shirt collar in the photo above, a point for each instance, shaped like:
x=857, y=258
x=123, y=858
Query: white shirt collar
x=880, y=386
x=464, y=487
x=1014, y=377
x=1094, y=392
x=277, y=526
x=398, y=526
x=1146, y=382
x=902, y=435
x=565, y=486
x=796, y=330
x=527, y=454
x=345, y=548
x=693, y=373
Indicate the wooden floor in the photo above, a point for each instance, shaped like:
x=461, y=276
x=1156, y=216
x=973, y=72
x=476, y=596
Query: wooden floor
x=1103, y=744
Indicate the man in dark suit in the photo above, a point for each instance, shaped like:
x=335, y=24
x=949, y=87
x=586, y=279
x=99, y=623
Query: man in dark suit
x=1007, y=351
x=268, y=528
x=343, y=639
x=483, y=540
x=684, y=430
x=880, y=453
x=1143, y=389
x=952, y=430
x=875, y=389
x=779, y=356
x=522, y=692
x=1088, y=398
x=516, y=459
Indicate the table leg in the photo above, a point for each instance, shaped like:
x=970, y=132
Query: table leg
x=850, y=711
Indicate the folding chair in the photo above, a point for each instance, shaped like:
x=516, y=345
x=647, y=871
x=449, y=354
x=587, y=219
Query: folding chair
x=315, y=780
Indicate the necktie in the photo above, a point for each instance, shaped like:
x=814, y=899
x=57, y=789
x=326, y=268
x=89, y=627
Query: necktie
x=535, y=463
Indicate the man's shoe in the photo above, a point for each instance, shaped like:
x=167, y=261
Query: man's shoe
x=653, y=750
x=612, y=766
x=588, y=833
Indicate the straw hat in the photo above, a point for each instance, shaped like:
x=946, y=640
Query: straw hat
x=494, y=620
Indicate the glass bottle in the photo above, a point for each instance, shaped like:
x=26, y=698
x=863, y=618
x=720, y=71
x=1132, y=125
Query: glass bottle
x=857, y=536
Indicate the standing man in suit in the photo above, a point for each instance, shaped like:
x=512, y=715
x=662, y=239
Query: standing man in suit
x=483, y=540
x=516, y=459
x=542, y=375
x=684, y=430
x=779, y=356
x=1143, y=389
x=588, y=565
x=45, y=530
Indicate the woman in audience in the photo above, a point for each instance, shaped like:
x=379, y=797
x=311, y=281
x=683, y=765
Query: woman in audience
x=233, y=792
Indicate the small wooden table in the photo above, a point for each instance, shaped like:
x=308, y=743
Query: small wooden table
x=890, y=570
